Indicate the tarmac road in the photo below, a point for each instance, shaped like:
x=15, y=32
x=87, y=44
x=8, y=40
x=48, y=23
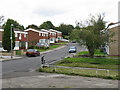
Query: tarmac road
x=27, y=64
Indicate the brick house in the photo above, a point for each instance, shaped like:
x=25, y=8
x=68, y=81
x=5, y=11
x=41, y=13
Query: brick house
x=43, y=36
x=20, y=40
x=58, y=35
x=35, y=36
x=51, y=35
x=114, y=47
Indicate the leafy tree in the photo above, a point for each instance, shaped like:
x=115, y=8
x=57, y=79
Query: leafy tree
x=16, y=25
x=77, y=27
x=65, y=29
x=6, y=41
x=47, y=25
x=92, y=35
x=32, y=26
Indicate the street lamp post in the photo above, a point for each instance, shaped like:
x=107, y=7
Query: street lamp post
x=11, y=41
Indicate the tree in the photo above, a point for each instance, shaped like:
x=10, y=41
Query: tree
x=92, y=36
x=32, y=26
x=6, y=41
x=47, y=25
x=65, y=29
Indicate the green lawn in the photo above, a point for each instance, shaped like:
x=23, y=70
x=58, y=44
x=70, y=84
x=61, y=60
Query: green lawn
x=97, y=53
x=99, y=63
x=102, y=63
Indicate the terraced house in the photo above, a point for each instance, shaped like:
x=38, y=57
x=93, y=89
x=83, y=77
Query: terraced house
x=36, y=36
x=43, y=36
x=20, y=39
x=58, y=34
x=32, y=37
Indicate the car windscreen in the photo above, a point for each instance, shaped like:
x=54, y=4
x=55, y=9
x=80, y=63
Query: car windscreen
x=31, y=50
x=72, y=48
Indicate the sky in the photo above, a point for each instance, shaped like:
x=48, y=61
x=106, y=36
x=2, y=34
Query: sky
x=27, y=12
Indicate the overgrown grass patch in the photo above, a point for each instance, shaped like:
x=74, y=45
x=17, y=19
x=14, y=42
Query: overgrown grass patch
x=83, y=72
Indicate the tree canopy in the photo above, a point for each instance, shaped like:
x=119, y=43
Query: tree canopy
x=47, y=25
x=65, y=29
x=32, y=26
x=6, y=41
x=92, y=35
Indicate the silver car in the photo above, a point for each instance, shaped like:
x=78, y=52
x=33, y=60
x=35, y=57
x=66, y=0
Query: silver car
x=72, y=49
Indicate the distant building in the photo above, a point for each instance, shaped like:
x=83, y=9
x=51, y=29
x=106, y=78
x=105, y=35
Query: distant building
x=51, y=35
x=58, y=35
x=35, y=36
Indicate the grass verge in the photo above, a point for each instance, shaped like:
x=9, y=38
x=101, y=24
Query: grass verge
x=81, y=72
x=100, y=63
x=97, y=53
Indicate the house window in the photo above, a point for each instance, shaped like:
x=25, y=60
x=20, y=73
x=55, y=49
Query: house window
x=16, y=44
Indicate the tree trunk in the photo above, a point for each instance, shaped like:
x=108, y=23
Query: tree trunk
x=91, y=52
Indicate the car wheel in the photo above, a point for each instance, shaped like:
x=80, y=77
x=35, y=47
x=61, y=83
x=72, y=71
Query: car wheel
x=28, y=55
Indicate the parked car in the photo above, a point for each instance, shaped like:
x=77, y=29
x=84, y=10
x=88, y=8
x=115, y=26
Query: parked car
x=42, y=45
x=32, y=52
x=74, y=41
x=72, y=49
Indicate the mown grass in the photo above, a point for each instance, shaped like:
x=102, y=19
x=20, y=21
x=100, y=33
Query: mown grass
x=97, y=53
x=101, y=63
x=81, y=72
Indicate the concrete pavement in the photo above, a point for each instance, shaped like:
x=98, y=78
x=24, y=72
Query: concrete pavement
x=50, y=80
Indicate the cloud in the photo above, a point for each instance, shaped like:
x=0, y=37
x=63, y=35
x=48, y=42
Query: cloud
x=58, y=11
x=48, y=12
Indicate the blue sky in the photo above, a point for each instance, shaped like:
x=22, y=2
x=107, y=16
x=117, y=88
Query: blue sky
x=28, y=12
